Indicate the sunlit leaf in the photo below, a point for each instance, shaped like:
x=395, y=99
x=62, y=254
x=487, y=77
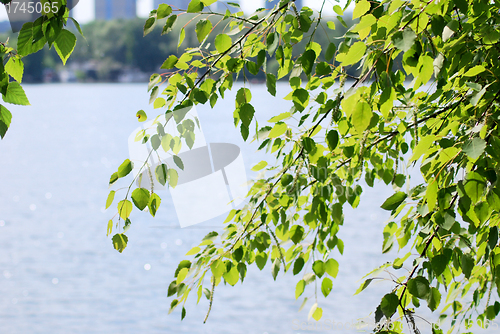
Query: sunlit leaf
x=223, y=42
x=140, y=197
x=394, y=201
x=120, y=241
x=65, y=44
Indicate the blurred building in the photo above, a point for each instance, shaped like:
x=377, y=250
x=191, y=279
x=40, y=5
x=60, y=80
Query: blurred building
x=115, y=9
x=182, y=4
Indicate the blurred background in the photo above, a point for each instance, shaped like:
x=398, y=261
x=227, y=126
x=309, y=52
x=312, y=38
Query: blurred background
x=59, y=272
x=115, y=50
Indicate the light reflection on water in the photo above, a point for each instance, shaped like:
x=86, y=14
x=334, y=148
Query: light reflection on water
x=60, y=273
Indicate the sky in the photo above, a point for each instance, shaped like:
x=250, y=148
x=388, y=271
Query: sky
x=84, y=11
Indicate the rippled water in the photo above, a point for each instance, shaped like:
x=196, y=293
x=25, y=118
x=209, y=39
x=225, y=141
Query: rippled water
x=59, y=272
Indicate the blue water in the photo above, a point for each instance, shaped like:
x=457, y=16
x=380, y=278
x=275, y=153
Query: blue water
x=59, y=272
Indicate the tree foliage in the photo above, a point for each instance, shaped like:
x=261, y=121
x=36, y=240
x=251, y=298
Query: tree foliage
x=47, y=29
x=439, y=112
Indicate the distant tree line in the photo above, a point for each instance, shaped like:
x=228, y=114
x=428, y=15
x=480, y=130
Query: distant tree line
x=111, y=47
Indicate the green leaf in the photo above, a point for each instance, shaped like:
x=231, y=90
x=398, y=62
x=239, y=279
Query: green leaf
x=332, y=139
x=467, y=264
x=476, y=97
x=309, y=144
x=25, y=39
x=242, y=269
x=439, y=263
x=307, y=60
x=482, y=211
x=203, y=28
x=389, y=304
x=272, y=41
x=169, y=24
x=298, y=265
x=124, y=208
x=113, y=178
x=5, y=120
x=232, y=276
x=125, y=168
x=364, y=285
x=474, y=71
x=276, y=268
x=259, y=166
x=404, y=40
x=261, y=259
x=15, y=68
x=323, y=69
x=326, y=286
x=181, y=275
x=161, y=173
x=493, y=237
x=173, y=177
x=109, y=230
x=360, y=9
x=110, y=198
x=419, y=287
x=195, y=6
x=183, y=313
x=178, y=162
x=246, y=114
x=362, y=116
x=173, y=305
x=394, y=201
x=474, y=148
x=154, y=203
x=433, y=299
x=182, y=34
x=398, y=262
x=141, y=116
x=431, y=194
x=332, y=267
x=163, y=11
x=244, y=95
x=355, y=53
x=15, y=94
x=330, y=51
x=127, y=225
x=318, y=268
x=299, y=288
x=278, y=129
x=474, y=186
x=296, y=233
x=169, y=62
x=149, y=25
x=300, y=98
x=223, y=42
x=271, y=83
x=120, y=241
x=423, y=146
x=65, y=44
x=77, y=25
x=316, y=312
x=218, y=268
x=280, y=117
x=140, y=197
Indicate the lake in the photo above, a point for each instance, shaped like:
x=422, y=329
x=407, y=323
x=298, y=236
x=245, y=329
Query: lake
x=59, y=272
